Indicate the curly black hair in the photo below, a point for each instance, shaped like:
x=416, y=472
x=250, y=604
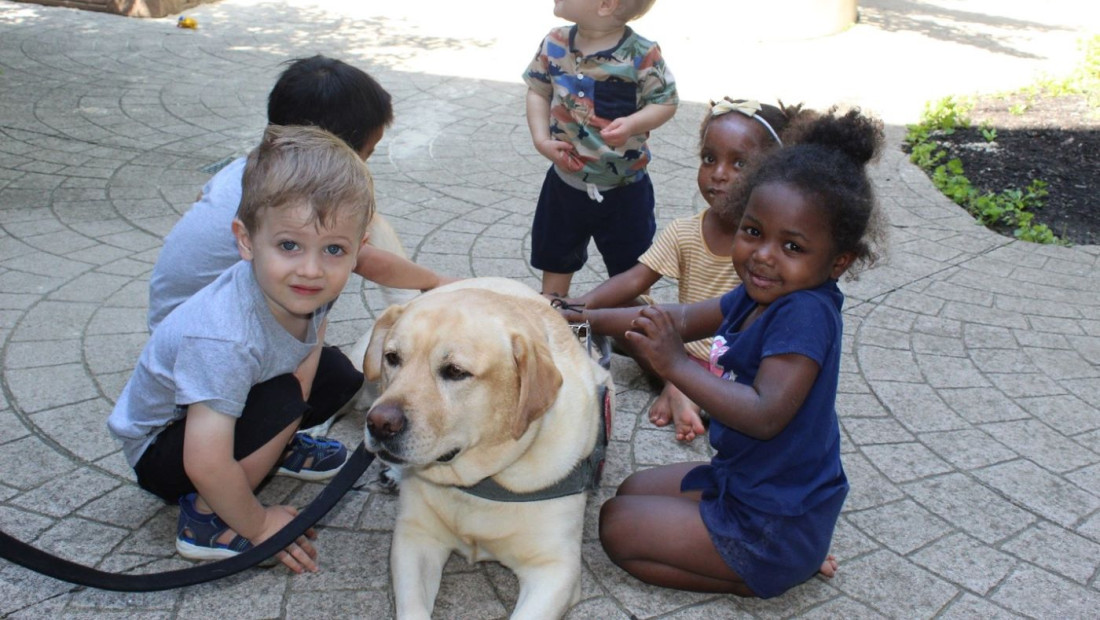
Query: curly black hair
x=826, y=158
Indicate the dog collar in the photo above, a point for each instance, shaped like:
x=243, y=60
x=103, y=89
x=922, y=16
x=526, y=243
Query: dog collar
x=585, y=475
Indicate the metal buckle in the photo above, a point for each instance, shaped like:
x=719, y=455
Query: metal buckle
x=598, y=347
x=583, y=332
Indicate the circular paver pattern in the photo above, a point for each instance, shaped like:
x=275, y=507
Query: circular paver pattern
x=968, y=396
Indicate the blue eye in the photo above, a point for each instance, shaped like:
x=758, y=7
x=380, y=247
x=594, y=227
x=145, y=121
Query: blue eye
x=288, y=246
x=335, y=250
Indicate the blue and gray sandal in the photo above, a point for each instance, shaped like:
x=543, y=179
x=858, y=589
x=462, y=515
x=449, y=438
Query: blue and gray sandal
x=197, y=534
x=325, y=457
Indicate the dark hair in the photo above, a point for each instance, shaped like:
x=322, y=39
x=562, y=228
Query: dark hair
x=777, y=116
x=330, y=94
x=826, y=159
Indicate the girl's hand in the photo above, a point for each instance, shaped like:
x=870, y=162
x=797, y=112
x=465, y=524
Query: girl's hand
x=656, y=339
x=561, y=153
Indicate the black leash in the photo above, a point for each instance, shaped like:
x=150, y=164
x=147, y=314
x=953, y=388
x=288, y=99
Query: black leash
x=559, y=303
x=39, y=561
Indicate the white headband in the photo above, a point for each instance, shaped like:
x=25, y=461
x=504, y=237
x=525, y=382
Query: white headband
x=749, y=108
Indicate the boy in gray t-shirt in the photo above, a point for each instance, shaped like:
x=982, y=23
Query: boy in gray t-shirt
x=191, y=421
x=317, y=91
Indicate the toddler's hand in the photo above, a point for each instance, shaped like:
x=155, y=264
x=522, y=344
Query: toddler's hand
x=617, y=132
x=561, y=153
x=300, y=555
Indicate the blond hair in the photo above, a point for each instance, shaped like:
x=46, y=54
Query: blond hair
x=630, y=10
x=295, y=165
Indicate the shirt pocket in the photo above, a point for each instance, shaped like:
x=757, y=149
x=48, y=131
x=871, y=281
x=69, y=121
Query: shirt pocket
x=615, y=98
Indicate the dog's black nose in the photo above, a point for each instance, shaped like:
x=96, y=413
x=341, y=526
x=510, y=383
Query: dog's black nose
x=385, y=420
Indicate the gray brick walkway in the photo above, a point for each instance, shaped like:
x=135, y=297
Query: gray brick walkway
x=971, y=377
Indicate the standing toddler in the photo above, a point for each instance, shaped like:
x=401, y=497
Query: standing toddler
x=595, y=91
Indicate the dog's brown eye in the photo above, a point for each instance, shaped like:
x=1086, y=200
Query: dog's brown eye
x=392, y=358
x=450, y=372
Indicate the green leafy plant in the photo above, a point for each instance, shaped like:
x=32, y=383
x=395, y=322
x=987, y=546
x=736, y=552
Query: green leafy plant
x=947, y=114
x=1012, y=208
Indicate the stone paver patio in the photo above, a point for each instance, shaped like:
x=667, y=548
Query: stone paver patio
x=971, y=377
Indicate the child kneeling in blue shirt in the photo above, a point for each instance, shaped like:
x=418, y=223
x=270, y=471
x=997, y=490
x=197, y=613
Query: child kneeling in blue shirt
x=191, y=421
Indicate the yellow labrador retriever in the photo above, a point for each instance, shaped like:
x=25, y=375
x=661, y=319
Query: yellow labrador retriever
x=493, y=410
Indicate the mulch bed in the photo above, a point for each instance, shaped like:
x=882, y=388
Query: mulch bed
x=1054, y=139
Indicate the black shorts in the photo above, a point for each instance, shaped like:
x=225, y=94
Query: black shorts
x=622, y=225
x=271, y=406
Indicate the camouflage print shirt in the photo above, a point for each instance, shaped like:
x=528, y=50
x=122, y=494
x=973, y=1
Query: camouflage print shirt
x=588, y=92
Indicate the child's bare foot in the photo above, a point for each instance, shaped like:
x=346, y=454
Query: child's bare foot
x=672, y=406
x=829, y=567
x=689, y=424
x=660, y=414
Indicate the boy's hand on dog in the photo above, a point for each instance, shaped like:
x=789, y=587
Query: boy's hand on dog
x=300, y=555
x=655, y=338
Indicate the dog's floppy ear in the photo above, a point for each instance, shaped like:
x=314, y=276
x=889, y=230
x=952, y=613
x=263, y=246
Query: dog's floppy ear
x=372, y=359
x=539, y=381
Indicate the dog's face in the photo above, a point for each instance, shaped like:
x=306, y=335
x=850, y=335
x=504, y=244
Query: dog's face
x=463, y=374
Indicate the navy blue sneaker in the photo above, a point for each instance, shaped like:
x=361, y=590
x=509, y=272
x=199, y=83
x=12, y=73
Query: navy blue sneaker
x=313, y=458
x=197, y=534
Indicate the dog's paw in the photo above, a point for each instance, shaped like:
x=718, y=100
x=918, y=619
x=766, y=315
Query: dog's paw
x=389, y=478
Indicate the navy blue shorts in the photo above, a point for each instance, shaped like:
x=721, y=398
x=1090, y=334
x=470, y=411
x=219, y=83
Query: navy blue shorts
x=271, y=406
x=622, y=225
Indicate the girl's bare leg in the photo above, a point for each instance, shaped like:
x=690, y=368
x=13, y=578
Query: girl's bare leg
x=664, y=480
x=653, y=531
x=662, y=541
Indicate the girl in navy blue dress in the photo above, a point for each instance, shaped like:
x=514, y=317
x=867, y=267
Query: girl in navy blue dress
x=759, y=518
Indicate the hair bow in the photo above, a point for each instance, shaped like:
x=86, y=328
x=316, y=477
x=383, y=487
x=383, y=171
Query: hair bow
x=749, y=108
